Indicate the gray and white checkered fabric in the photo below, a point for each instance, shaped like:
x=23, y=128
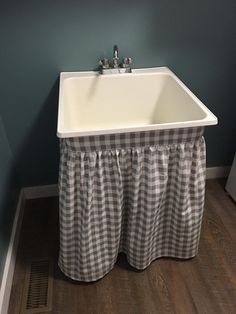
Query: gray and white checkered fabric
x=137, y=193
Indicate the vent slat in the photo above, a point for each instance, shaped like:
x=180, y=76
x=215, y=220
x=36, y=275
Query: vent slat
x=38, y=288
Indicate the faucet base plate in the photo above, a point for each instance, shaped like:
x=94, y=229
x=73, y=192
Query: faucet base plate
x=116, y=70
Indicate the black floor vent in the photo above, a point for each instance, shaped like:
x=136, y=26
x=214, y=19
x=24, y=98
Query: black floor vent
x=37, y=296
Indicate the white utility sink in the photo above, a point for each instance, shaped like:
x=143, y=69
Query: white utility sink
x=146, y=99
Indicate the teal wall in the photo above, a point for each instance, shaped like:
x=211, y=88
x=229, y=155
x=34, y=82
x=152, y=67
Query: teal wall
x=196, y=39
x=8, y=194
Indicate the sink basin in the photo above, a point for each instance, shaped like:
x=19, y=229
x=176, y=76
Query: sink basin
x=146, y=99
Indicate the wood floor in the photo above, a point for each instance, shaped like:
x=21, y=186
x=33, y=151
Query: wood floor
x=204, y=284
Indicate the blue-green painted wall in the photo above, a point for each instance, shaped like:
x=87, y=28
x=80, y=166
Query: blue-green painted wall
x=9, y=190
x=196, y=39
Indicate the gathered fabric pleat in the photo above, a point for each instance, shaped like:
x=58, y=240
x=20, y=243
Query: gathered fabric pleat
x=146, y=201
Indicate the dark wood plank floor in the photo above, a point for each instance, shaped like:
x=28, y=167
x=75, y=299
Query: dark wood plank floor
x=204, y=284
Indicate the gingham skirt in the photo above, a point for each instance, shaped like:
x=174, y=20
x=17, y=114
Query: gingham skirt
x=137, y=193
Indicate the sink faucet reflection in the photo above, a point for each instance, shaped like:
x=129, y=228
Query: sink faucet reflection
x=107, y=67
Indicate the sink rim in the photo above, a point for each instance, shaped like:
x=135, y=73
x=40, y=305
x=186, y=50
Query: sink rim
x=209, y=119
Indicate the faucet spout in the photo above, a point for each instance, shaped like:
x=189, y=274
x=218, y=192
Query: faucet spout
x=115, y=57
x=115, y=52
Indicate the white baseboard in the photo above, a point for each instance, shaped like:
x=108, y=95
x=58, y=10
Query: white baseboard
x=41, y=191
x=217, y=172
x=52, y=190
x=6, y=284
x=8, y=272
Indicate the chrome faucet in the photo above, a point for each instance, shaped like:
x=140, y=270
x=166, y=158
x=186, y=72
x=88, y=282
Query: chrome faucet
x=115, y=57
x=107, y=67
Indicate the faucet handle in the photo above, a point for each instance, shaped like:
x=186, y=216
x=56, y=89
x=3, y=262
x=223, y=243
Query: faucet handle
x=104, y=63
x=126, y=62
